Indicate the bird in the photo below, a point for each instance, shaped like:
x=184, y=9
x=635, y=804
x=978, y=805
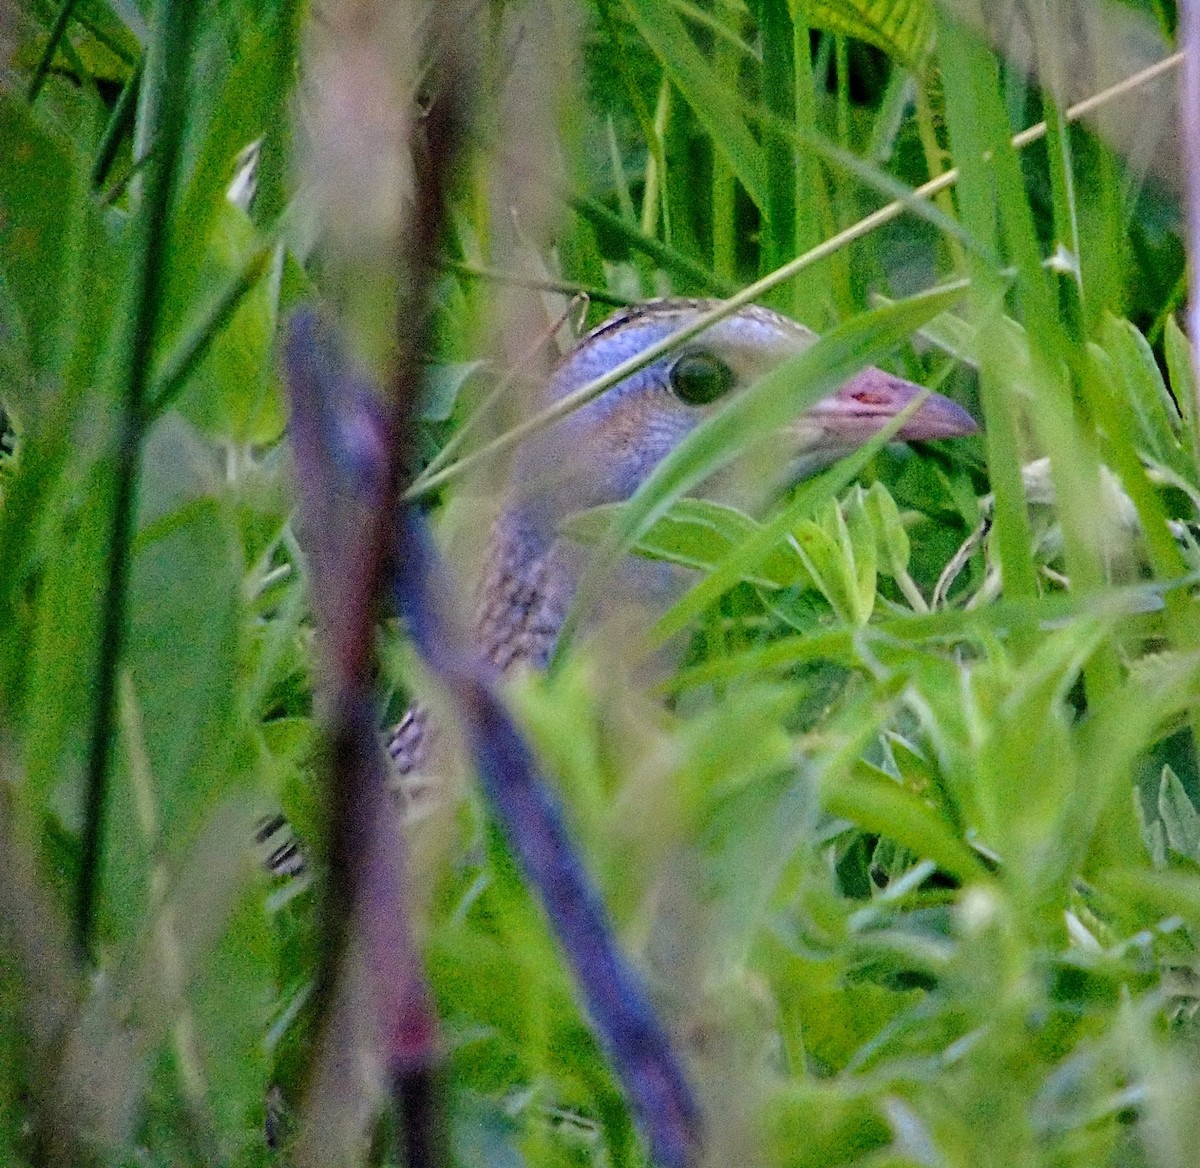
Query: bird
x=603, y=451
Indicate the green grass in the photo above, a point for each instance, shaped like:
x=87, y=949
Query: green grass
x=907, y=840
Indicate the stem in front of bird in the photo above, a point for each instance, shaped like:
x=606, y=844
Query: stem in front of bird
x=520, y=280
x=534, y=828
x=753, y=550
x=350, y=458
x=458, y=439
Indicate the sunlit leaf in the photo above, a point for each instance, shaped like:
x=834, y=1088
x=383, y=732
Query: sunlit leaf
x=900, y=27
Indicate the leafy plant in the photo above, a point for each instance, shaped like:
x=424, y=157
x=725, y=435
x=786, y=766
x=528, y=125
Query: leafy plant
x=904, y=835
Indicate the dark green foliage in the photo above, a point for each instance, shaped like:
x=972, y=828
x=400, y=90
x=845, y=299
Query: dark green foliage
x=907, y=843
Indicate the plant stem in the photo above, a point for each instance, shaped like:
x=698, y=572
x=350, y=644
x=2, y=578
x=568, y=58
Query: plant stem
x=168, y=66
x=57, y=32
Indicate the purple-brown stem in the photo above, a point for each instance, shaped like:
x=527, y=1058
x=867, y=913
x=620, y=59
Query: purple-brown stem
x=351, y=457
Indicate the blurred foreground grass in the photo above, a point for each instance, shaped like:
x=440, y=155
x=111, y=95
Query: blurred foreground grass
x=910, y=846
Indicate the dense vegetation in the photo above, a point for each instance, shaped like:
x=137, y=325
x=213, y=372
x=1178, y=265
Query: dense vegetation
x=907, y=843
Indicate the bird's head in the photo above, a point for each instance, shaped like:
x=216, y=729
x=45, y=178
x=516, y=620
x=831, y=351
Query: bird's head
x=602, y=452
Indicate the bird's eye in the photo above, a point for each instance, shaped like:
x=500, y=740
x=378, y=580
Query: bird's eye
x=699, y=378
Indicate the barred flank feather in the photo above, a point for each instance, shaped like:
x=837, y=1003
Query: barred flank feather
x=408, y=746
x=278, y=848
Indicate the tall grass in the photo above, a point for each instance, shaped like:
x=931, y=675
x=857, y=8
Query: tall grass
x=907, y=841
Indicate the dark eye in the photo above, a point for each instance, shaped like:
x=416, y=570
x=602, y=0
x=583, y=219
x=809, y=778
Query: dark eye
x=700, y=378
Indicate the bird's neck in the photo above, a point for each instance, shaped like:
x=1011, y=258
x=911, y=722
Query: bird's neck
x=527, y=586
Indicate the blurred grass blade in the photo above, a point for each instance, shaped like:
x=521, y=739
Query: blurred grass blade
x=664, y=32
x=946, y=627
x=743, y=559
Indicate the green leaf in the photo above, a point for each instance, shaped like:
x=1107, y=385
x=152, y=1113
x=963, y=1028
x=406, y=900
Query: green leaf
x=1151, y=896
x=233, y=390
x=902, y=28
x=1114, y=736
x=63, y=265
x=1179, y=817
x=829, y=562
x=696, y=533
x=441, y=386
x=36, y=236
x=692, y=75
x=876, y=802
x=235, y=86
x=857, y=537
x=182, y=652
x=62, y=622
x=747, y=838
x=815, y=1125
x=892, y=540
x=1183, y=383
x=1157, y=415
x=230, y=994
